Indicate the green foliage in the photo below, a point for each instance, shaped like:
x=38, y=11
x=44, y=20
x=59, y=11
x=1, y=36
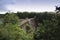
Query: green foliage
x=40, y=30
x=48, y=30
x=29, y=31
x=29, y=28
x=48, y=27
x=10, y=30
x=10, y=18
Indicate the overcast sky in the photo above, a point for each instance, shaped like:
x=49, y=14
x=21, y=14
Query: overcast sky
x=28, y=5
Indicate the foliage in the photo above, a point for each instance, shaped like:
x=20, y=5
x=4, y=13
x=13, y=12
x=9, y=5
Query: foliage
x=48, y=30
x=10, y=30
x=29, y=28
x=29, y=31
x=10, y=18
x=48, y=27
x=40, y=30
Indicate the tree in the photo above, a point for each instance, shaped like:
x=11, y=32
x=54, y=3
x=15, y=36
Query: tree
x=47, y=31
x=39, y=32
x=10, y=30
x=10, y=18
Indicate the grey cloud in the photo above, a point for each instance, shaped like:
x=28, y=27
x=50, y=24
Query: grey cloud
x=5, y=2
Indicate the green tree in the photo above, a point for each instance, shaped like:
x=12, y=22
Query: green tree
x=10, y=30
x=47, y=31
x=40, y=30
x=10, y=18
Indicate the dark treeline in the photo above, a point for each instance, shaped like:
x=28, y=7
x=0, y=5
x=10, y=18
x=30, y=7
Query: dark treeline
x=48, y=25
x=40, y=16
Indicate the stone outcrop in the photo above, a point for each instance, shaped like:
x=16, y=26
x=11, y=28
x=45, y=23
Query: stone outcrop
x=30, y=22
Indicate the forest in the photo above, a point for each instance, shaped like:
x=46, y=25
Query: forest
x=48, y=26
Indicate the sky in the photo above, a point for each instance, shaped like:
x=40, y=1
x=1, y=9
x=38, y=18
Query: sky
x=28, y=5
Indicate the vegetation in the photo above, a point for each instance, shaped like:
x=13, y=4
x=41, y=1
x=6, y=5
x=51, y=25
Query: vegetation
x=48, y=26
x=9, y=29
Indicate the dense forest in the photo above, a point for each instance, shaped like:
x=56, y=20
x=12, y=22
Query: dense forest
x=48, y=26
